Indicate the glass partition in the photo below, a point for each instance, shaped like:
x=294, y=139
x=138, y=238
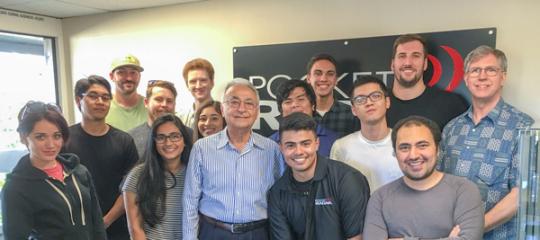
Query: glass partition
x=529, y=206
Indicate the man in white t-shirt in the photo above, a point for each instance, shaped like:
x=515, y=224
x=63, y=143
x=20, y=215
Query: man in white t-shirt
x=369, y=150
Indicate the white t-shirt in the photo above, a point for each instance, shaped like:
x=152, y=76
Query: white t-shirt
x=374, y=159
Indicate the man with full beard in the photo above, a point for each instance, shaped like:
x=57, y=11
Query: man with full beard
x=424, y=203
x=127, y=106
x=409, y=95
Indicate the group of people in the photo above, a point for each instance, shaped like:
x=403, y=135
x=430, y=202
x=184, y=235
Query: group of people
x=400, y=162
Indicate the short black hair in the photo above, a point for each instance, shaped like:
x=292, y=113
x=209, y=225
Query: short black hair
x=417, y=121
x=83, y=84
x=297, y=121
x=318, y=57
x=365, y=80
x=285, y=89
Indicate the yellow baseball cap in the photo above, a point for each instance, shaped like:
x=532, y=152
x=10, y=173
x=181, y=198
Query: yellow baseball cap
x=128, y=61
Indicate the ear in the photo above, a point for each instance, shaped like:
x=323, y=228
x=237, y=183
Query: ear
x=78, y=102
x=425, y=63
x=23, y=139
x=146, y=102
x=387, y=102
x=392, y=64
x=503, y=80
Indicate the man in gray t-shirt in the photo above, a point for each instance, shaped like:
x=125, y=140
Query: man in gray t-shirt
x=424, y=203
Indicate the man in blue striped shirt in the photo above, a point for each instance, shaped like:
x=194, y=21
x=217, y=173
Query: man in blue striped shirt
x=229, y=174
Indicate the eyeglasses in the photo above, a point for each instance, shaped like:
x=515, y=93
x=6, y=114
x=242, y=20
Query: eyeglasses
x=37, y=107
x=374, y=97
x=235, y=104
x=94, y=96
x=173, y=137
x=490, y=71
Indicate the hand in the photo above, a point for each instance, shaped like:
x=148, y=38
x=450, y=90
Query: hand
x=455, y=232
x=106, y=221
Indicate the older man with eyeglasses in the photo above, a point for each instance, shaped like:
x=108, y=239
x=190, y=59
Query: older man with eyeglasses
x=106, y=151
x=229, y=174
x=481, y=144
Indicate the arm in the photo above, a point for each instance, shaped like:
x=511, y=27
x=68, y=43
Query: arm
x=502, y=211
x=17, y=221
x=374, y=224
x=97, y=220
x=468, y=213
x=353, y=199
x=357, y=237
x=192, y=195
x=134, y=218
x=279, y=227
x=115, y=212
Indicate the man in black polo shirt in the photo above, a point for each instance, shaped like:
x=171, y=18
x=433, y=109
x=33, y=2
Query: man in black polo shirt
x=316, y=198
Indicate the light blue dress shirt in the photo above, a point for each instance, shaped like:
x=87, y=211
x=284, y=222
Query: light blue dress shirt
x=227, y=184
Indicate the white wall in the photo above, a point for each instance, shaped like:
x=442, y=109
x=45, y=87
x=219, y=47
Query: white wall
x=165, y=38
x=16, y=22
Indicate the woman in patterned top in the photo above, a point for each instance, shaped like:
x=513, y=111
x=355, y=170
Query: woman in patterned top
x=153, y=189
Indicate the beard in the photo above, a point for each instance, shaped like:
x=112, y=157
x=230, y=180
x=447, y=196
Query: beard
x=422, y=177
x=408, y=84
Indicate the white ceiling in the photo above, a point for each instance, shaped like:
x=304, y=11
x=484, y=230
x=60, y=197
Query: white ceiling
x=73, y=8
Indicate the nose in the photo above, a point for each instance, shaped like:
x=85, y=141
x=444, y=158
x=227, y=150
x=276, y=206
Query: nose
x=413, y=154
x=198, y=84
x=207, y=122
x=483, y=74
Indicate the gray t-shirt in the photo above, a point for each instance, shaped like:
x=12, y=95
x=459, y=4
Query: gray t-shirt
x=171, y=224
x=398, y=211
x=140, y=136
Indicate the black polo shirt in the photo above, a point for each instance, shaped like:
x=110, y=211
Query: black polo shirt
x=341, y=194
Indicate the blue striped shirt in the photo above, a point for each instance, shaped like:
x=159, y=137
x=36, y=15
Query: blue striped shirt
x=227, y=184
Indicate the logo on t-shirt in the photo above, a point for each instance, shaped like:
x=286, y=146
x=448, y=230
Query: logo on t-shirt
x=323, y=201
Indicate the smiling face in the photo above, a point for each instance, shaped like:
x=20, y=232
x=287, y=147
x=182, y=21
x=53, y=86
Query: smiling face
x=323, y=78
x=483, y=87
x=416, y=152
x=44, y=143
x=240, y=108
x=299, y=149
x=92, y=108
x=370, y=112
x=409, y=64
x=126, y=79
x=199, y=84
x=210, y=121
x=169, y=150
x=162, y=101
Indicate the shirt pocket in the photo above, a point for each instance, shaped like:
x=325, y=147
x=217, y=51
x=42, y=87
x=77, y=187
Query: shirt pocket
x=492, y=176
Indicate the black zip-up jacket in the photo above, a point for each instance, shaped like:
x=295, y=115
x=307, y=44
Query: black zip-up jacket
x=35, y=206
x=334, y=208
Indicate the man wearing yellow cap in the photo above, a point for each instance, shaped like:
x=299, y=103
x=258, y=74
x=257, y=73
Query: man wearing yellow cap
x=127, y=107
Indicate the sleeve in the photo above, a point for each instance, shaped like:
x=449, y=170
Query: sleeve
x=130, y=184
x=335, y=151
x=469, y=212
x=97, y=217
x=132, y=156
x=353, y=196
x=17, y=218
x=442, y=149
x=374, y=224
x=192, y=195
x=279, y=227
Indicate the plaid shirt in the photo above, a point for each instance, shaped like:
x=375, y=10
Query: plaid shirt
x=338, y=119
x=486, y=153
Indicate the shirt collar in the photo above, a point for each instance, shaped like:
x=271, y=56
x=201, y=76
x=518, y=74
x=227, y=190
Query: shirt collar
x=320, y=168
x=493, y=115
x=224, y=140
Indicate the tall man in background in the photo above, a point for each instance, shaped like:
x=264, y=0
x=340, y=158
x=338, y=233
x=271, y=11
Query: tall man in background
x=322, y=76
x=127, y=107
x=409, y=95
x=199, y=77
x=107, y=152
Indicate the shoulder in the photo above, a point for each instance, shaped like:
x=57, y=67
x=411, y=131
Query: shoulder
x=512, y=113
x=339, y=106
x=264, y=142
x=348, y=139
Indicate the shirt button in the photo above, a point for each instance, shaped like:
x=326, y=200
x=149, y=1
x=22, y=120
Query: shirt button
x=467, y=147
x=474, y=130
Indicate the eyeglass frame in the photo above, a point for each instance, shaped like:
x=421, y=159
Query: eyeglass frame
x=170, y=137
x=364, y=98
x=235, y=103
x=95, y=96
x=477, y=71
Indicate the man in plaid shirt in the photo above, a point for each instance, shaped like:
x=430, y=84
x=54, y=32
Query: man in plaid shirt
x=332, y=114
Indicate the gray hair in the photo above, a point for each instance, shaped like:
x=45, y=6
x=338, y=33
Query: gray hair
x=483, y=51
x=240, y=82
